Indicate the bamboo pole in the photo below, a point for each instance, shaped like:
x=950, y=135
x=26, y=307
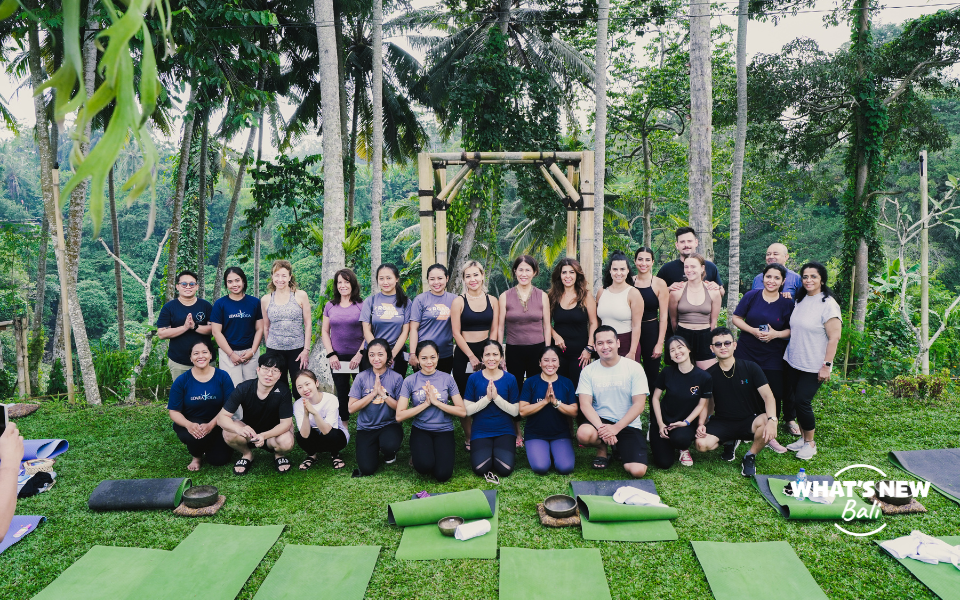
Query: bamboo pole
x=505, y=156
x=22, y=373
x=442, y=215
x=571, y=218
x=924, y=268
x=553, y=184
x=425, y=176
x=25, y=344
x=846, y=353
x=562, y=180
x=445, y=189
x=64, y=294
x=459, y=186
x=586, y=220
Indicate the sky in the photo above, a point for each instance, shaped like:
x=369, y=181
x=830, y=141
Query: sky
x=762, y=38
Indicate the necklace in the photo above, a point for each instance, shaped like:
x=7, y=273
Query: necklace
x=523, y=301
x=733, y=371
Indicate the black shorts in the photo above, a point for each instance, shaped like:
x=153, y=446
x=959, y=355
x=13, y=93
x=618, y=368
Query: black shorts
x=631, y=444
x=728, y=431
x=699, y=340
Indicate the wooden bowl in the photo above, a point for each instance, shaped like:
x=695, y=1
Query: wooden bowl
x=448, y=525
x=201, y=496
x=560, y=506
x=892, y=499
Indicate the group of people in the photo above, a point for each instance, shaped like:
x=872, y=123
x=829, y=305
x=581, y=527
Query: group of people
x=560, y=361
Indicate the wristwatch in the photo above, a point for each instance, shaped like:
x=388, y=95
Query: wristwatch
x=828, y=363
x=774, y=419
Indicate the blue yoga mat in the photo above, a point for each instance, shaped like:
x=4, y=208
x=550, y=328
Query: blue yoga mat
x=20, y=527
x=44, y=448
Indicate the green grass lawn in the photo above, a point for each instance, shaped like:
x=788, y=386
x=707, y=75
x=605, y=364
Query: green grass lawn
x=324, y=507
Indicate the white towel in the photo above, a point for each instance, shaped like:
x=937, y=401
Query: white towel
x=471, y=530
x=822, y=496
x=922, y=547
x=637, y=497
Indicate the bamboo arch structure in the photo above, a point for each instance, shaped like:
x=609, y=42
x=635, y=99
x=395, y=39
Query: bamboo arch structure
x=573, y=184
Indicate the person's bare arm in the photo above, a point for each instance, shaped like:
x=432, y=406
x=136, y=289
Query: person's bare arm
x=414, y=339
x=204, y=329
x=655, y=407
x=222, y=343
x=404, y=413
x=635, y=410
x=715, y=307
x=304, y=357
x=635, y=301
x=367, y=331
x=226, y=423
x=456, y=409
x=495, y=305
x=502, y=317
x=674, y=301
x=328, y=343
x=547, y=329
x=11, y=453
x=833, y=328
x=398, y=347
x=663, y=298
x=456, y=312
x=166, y=333
x=264, y=303
x=770, y=408
x=322, y=425
x=257, y=338
x=589, y=413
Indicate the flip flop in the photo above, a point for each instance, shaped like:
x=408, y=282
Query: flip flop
x=281, y=461
x=794, y=429
x=244, y=464
x=601, y=462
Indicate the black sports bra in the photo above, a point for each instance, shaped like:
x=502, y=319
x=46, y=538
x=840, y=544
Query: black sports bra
x=471, y=320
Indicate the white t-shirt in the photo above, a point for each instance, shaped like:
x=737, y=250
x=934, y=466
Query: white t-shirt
x=329, y=408
x=613, y=388
x=808, y=332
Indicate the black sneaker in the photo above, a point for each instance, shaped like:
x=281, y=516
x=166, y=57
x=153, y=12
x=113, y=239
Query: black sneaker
x=748, y=466
x=730, y=451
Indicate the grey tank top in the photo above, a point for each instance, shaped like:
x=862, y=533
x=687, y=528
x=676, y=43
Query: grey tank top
x=694, y=314
x=286, y=324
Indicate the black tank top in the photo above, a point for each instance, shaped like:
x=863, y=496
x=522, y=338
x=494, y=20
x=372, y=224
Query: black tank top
x=573, y=325
x=651, y=304
x=476, y=321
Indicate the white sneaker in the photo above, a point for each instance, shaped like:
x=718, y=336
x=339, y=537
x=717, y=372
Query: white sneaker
x=796, y=446
x=685, y=458
x=807, y=452
x=776, y=446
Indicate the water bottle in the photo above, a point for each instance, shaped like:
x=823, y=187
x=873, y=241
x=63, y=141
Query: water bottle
x=800, y=483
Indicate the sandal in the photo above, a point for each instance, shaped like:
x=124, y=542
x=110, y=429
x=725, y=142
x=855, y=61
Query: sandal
x=281, y=461
x=244, y=464
x=794, y=429
x=491, y=477
x=308, y=462
x=338, y=462
x=466, y=446
x=601, y=462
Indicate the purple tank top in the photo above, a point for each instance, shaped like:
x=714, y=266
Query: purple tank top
x=524, y=327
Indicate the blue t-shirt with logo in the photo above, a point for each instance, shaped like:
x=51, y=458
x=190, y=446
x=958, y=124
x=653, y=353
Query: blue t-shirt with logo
x=385, y=317
x=174, y=314
x=432, y=418
x=491, y=421
x=238, y=318
x=373, y=415
x=432, y=312
x=200, y=401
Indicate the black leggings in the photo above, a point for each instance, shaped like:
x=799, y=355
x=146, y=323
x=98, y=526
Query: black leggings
x=570, y=364
x=332, y=442
x=802, y=387
x=649, y=334
x=372, y=442
x=784, y=401
x=211, y=447
x=665, y=450
x=496, y=454
x=433, y=453
x=524, y=361
x=291, y=366
x=342, y=382
x=460, y=362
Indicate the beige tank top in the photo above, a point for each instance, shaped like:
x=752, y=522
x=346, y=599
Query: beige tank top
x=693, y=314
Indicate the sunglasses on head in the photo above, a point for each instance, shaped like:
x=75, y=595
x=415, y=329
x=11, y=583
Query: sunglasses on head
x=725, y=344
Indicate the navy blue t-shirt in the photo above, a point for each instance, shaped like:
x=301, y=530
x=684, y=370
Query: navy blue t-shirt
x=200, y=401
x=756, y=312
x=238, y=319
x=491, y=421
x=174, y=314
x=548, y=423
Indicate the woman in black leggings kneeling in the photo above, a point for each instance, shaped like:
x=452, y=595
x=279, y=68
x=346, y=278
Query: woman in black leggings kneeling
x=374, y=396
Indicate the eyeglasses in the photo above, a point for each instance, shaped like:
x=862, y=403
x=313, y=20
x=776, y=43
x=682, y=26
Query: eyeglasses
x=188, y=284
x=269, y=370
x=725, y=344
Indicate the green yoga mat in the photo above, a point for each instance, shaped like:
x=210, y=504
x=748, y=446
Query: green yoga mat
x=940, y=467
x=755, y=571
x=807, y=509
x=104, y=572
x=620, y=531
x=943, y=579
x=341, y=572
x=605, y=508
x=212, y=563
x=425, y=542
x=552, y=575
x=471, y=505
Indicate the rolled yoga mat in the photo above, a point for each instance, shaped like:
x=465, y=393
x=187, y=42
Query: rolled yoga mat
x=471, y=505
x=771, y=486
x=425, y=542
x=943, y=579
x=940, y=467
x=19, y=528
x=552, y=575
x=341, y=572
x=630, y=528
x=752, y=571
x=138, y=494
x=104, y=572
x=44, y=448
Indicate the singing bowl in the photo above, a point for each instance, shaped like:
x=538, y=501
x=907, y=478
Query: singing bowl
x=448, y=525
x=560, y=506
x=200, y=496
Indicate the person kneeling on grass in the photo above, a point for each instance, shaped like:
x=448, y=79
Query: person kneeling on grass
x=267, y=413
x=196, y=399
x=319, y=427
x=737, y=416
x=686, y=388
x=429, y=391
x=612, y=394
x=491, y=399
x=374, y=396
x=548, y=402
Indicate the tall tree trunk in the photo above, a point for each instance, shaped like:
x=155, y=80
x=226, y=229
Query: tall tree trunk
x=234, y=199
x=357, y=90
x=466, y=244
x=256, y=239
x=862, y=165
x=739, y=152
x=376, y=185
x=178, y=195
x=117, y=269
x=647, y=193
x=600, y=139
x=202, y=206
x=503, y=15
x=36, y=328
x=341, y=77
x=700, y=197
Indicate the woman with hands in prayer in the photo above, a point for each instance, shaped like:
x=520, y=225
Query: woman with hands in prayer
x=547, y=402
x=319, y=426
x=374, y=398
x=491, y=399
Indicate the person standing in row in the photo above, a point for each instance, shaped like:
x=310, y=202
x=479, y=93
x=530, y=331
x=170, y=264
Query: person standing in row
x=183, y=321
x=374, y=398
x=814, y=335
x=764, y=318
x=694, y=309
x=680, y=394
x=343, y=335
x=319, y=427
x=430, y=318
x=386, y=315
x=673, y=273
x=777, y=253
x=656, y=313
x=237, y=323
x=491, y=398
x=287, y=322
x=474, y=318
x=548, y=402
x=574, y=314
x=524, y=321
x=620, y=305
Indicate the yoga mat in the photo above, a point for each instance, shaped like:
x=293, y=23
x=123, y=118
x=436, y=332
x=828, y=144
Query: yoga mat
x=552, y=575
x=425, y=542
x=341, y=572
x=212, y=563
x=940, y=467
x=138, y=494
x=771, y=486
x=106, y=572
x=15, y=533
x=604, y=509
x=621, y=531
x=44, y=448
x=471, y=505
x=755, y=571
x=943, y=579
x=761, y=483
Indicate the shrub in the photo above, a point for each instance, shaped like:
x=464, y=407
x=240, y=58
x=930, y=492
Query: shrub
x=929, y=387
x=58, y=381
x=8, y=384
x=113, y=369
x=155, y=379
